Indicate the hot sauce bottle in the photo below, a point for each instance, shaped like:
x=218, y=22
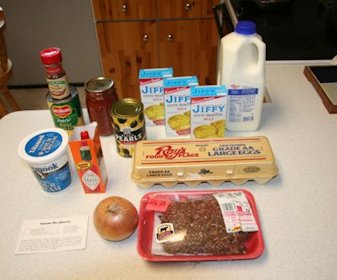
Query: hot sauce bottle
x=90, y=173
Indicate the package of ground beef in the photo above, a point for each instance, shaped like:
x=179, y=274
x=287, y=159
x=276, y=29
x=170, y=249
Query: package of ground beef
x=199, y=226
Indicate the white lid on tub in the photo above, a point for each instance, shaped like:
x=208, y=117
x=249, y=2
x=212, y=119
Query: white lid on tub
x=43, y=146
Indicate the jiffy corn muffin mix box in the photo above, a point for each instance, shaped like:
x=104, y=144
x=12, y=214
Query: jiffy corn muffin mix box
x=152, y=94
x=177, y=96
x=208, y=111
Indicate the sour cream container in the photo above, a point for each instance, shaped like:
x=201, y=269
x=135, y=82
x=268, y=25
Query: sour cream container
x=45, y=151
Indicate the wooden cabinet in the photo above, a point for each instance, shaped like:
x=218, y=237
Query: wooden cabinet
x=138, y=34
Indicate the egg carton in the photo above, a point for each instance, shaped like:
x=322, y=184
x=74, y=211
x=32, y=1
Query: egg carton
x=213, y=160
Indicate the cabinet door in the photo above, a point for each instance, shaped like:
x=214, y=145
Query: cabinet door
x=124, y=9
x=186, y=8
x=190, y=47
x=125, y=48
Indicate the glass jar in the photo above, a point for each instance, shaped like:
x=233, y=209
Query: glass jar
x=100, y=95
x=55, y=75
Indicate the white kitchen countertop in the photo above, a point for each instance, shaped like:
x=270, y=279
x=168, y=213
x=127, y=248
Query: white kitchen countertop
x=297, y=209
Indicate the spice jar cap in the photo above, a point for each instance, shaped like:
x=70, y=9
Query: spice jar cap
x=51, y=55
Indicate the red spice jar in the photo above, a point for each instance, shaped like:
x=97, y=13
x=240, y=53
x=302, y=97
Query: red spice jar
x=56, y=76
x=100, y=95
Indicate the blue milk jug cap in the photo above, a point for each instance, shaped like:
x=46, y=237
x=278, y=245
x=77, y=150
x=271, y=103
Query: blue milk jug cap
x=245, y=27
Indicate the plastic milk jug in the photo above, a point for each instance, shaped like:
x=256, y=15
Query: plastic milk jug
x=242, y=70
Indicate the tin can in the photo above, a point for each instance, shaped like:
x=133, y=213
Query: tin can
x=100, y=95
x=129, y=125
x=66, y=113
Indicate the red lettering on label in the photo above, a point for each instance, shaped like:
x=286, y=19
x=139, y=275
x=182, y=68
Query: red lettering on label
x=61, y=111
x=169, y=153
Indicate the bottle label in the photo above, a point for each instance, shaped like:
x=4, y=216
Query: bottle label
x=59, y=88
x=91, y=179
x=242, y=104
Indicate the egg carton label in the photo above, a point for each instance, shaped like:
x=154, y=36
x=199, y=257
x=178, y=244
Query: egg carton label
x=212, y=160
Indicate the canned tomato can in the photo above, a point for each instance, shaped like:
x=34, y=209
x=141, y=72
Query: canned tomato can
x=100, y=95
x=66, y=113
x=129, y=125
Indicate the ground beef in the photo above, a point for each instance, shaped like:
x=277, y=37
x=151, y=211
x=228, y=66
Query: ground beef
x=205, y=229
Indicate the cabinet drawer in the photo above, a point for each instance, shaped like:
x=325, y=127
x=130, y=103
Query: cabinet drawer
x=124, y=9
x=190, y=47
x=125, y=48
x=186, y=8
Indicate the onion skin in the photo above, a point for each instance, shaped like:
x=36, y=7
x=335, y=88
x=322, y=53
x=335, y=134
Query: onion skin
x=115, y=218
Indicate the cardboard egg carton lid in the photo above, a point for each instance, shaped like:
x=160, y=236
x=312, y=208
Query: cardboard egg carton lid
x=212, y=160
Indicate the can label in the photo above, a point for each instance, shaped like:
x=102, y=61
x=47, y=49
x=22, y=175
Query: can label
x=128, y=132
x=66, y=113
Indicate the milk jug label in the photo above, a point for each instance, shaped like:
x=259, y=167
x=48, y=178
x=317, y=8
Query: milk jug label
x=242, y=103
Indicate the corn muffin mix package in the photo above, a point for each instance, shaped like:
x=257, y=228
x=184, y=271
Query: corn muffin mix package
x=177, y=95
x=152, y=94
x=208, y=111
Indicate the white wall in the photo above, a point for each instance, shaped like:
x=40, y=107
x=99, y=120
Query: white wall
x=33, y=25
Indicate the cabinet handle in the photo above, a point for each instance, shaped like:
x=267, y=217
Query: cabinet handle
x=170, y=37
x=124, y=8
x=145, y=37
x=188, y=6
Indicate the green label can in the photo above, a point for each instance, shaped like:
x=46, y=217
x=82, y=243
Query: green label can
x=66, y=113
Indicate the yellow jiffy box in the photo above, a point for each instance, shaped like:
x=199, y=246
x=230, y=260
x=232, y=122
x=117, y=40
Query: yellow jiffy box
x=152, y=94
x=208, y=111
x=177, y=95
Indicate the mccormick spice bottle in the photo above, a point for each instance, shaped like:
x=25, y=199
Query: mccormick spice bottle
x=63, y=100
x=56, y=76
x=100, y=95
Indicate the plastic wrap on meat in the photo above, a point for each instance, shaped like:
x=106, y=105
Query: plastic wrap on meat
x=205, y=233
